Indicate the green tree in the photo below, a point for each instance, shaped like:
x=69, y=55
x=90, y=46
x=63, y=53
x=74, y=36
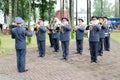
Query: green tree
x=44, y=7
x=103, y=8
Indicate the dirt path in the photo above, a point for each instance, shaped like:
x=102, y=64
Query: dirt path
x=78, y=67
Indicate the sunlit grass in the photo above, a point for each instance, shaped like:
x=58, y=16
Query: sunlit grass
x=116, y=35
x=8, y=44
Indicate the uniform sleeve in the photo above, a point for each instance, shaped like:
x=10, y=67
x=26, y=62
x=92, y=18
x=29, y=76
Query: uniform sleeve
x=81, y=29
x=87, y=27
x=27, y=33
x=110, y=28
x=104, y=27
x=96, y=28
x=67, y=27
x=43, y=29
x=12, y=34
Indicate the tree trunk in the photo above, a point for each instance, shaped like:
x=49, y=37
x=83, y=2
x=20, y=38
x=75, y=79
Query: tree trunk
x=34, y=11
x=61, y=8
x=67, y=9
x=29, y=1
x=5, y=19
x=88, y=11
x=22, y=8
x=71, y=11
x=71, y=7
x=10, y=11
x=29, y=38
x=76, y=11
x=49, y=13
x=43, y=10
x=117, y=8
x=101, y=7
x=15, y=8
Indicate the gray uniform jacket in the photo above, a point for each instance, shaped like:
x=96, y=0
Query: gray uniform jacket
x=19, y=34
x=94, y=33
x=42, y=33
x=80, y=33
x=65, y=34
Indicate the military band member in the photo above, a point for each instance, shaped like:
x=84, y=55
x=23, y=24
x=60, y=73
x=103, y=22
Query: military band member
x=56, y=35
x=36, y=26
x=41, y=36
x=65, y=38
x=108, y=31
x=93, y=38
x=102, y=36
x=50, y=29
x=79, y=36
x=18, y=33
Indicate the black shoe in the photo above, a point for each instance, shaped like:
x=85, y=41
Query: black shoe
x=107, y=50
x=23, y=71
x=80, y=53
x=38, y=56
x=66, y=59
x=92, y=61
x=62, y=59
x=54, y=51
x=100, y=55
x=96, y=62
x=57, y=50
x=51, y=46
x=42, y=56
x=76, y=52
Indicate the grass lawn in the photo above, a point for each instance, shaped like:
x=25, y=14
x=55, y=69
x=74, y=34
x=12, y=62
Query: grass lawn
x=8, y=44
x=116, y=35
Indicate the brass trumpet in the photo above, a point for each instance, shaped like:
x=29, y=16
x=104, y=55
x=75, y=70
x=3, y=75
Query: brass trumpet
x=89, y=27
x=75, y=28
x=36, y=27
x=101, y=24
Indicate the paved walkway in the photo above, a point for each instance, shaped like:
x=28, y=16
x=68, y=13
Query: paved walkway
x=78, y=67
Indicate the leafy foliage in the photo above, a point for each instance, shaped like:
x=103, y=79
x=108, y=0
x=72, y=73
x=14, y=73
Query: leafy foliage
x=103, y=8
x=23, y=8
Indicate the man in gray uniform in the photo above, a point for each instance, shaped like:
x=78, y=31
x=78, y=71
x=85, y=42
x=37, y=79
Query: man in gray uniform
x=41, y=36
x=94, y=38
x=19, y=33
x=102, y=36
x=108, y=31
x=65, y=37
x=79, y=36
